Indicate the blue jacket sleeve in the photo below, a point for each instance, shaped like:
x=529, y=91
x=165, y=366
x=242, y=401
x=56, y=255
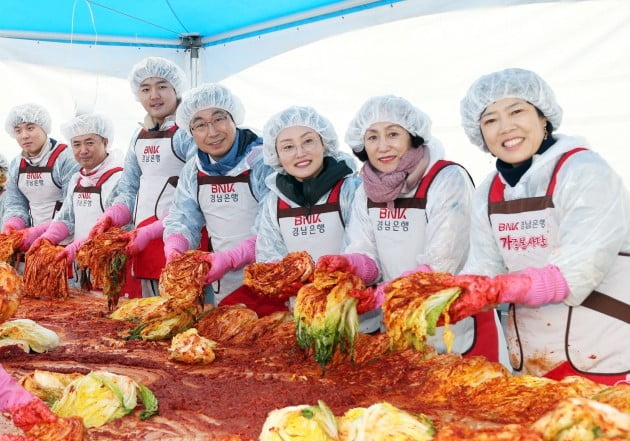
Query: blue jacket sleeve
x=65, y=166
x=127, y=189
x=66, y=214
x=270, y=246
x=184, y=145
x=15, y=203
x=346, y=198
x=185, y=216
x=259, y=171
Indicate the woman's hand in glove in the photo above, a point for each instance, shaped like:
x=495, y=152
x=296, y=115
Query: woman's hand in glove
x=533, y=286
x=358, y=264
x=370, y=298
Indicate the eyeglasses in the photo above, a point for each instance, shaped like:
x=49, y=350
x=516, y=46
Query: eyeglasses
x=201, y=126
x=307, y=145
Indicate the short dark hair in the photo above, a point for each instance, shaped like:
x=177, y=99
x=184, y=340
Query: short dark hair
x=548, y=126
x=416, y=141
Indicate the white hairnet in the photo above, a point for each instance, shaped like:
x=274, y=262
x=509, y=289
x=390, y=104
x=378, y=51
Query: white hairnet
x=508, y=83
x=28, y=113
x=389, y=108
x=207, y=96
x=88, y=123
x=297, y=116
x=160, y=68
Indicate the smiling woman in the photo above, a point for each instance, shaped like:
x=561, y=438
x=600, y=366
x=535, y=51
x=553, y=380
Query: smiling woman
x=411, y=213
x=386, y=143
x=560, y=266
x=311, y=193
x=301, y=152
x=513, y=130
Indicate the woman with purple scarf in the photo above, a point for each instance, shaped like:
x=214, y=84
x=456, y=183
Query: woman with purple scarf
x=412, y=212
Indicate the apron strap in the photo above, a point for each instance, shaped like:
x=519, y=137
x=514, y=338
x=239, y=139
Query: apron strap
x=559, y=164
x=607, y=305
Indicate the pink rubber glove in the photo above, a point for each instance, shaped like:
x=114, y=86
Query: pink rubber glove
x=174, y=246
x=55, y=233
x=229, y=260
x=140, y=237
x=70, y=250
x=378, y=296
x=424, y=268
x=533, y=286
x=12, y=395
x=115, y=216
x=32, y=234
x=13, y=224
x=333, y=262
x=369, y=298
x=358, y=264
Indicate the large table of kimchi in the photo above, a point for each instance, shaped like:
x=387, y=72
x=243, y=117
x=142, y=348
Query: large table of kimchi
x=230, y=398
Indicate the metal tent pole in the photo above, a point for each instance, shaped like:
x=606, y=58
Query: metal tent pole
x=192, y=42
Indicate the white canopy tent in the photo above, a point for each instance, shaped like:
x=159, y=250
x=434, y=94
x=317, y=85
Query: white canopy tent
x=426, y=51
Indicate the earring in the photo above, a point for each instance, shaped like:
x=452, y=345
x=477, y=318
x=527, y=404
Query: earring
x=546, y=134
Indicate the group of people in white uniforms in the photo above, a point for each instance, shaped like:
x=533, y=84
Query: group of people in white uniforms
x=408, y=209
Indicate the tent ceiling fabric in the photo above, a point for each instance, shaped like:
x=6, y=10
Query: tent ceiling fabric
x=163, y=22
x=108, y=36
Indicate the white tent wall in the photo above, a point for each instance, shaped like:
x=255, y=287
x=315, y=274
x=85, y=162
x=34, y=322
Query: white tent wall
x=97, y=59
x=580, y=47
x=228, y=54
x=62, y=91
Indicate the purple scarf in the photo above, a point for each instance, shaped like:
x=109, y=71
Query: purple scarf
x=386, y=187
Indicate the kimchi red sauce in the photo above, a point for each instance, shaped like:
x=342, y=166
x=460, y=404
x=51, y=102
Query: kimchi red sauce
x=234, y=394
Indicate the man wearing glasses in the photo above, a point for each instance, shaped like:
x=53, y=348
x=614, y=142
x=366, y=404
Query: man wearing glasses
x=220, y=188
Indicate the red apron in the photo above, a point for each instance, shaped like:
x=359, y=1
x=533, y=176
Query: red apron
x=261, y=305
